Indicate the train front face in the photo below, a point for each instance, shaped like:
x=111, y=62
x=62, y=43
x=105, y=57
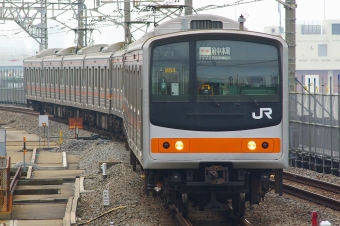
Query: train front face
x=217, y=105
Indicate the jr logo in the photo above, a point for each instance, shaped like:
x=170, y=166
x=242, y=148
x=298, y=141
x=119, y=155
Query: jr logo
x=266, y=111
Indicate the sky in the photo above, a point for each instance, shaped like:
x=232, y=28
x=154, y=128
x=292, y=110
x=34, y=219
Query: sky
x=258, y=14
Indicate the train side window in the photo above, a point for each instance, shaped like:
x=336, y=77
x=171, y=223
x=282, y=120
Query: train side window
x=170, y=72
x=102, y=71
x=72, y=78
x=84, y=78
x=47, y=74
x=89, y=79
x=95, y=85
x=76, y=77
x=48, y=82
x=67, y=77
x=41, y=75
x=51, y=80
x=61, y=78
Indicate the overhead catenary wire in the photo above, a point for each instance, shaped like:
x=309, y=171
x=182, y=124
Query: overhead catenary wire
x=95, y=23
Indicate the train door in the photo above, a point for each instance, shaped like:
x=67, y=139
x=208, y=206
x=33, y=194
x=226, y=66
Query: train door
x=75, y=79
x=54, y=86
x=108, y=87
x=67, y=91
x=34, y=86
x=121, y=87
x=84, y=86
x=80, y=85
x=100, y=87
x=48, y=83
x=116, y=88
x=139, y=102
x=38, y=86
x=71, y=87
x=42, y=83
x=62, y=84
x=29, y=83
x=103, y=87
x=57, y=82
x=32, y=82
x=134, y=97
x=52, y=83
x=130, y=93
x=96, y=85
x=65, y=84
x=71, y=84
x=76, y=86
x=90, y=86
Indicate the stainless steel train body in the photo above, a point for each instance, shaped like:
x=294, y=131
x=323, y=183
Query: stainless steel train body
x=204, y=105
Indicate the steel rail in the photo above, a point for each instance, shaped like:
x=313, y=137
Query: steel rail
x=15, y=180
x=18, y=110
x=313, y=197
x=312, y=182
x=244, y=222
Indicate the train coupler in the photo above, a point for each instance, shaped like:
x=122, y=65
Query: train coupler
x=216, y=174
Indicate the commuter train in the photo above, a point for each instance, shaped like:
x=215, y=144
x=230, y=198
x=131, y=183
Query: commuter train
x=203, y=105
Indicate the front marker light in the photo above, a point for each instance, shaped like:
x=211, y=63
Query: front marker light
x=251, y=145
x=179, y=145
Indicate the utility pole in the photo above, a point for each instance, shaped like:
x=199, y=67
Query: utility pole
x=188, y=9
x=291, y=41
x=290, y=6
x=43, y=35
x=127, y=19
x=290, y=37
x=81, y=27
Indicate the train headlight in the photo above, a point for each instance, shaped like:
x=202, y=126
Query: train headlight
x=252, y=145
x=179, y=145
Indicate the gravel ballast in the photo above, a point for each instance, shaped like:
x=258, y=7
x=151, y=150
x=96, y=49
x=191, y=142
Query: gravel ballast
x=126, y=187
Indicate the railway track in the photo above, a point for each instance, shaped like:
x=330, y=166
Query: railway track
x=319, y=192
x=173, y=215
x=181, y=221
x=23, y=110
x=17, y=109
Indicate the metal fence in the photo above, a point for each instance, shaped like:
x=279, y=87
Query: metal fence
x=12, y=86
x=314, y=128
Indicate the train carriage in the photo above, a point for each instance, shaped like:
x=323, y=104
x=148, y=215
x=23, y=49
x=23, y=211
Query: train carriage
x=34, y=74
x=52, y=64
x=204, y=107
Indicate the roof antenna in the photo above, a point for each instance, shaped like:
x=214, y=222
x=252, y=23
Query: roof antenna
x=241, y=20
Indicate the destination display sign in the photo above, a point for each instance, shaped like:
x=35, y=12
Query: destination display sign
x=214, y=53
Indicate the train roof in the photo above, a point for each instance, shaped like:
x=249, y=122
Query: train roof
x=113, y=47
x=66, y=51
x=92, y=49
x=186, y=23
x=194, y=22
x=48, y=52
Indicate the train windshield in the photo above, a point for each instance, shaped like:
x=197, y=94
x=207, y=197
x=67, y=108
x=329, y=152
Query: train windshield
x=215, y=84
x=170, y=72
x=226, y=69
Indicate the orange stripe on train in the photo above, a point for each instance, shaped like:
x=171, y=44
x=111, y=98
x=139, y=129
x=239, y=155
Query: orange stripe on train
x=215, y=145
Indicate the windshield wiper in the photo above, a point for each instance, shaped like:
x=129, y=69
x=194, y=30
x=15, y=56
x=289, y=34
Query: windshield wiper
x=206, y=92
x=254, y=101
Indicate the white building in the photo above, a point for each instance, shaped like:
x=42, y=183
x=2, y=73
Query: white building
x=317, y=54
